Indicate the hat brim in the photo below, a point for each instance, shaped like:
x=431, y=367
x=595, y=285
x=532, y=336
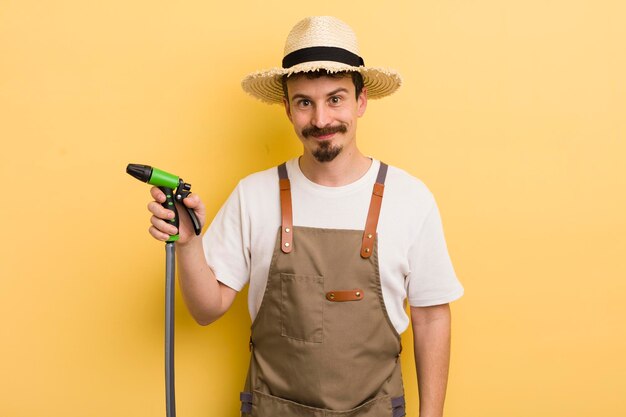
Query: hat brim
x=266, y=85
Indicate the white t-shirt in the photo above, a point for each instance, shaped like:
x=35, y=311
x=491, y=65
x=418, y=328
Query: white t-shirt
x=412, y=253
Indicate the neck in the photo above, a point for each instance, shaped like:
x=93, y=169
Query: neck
x=347, y=167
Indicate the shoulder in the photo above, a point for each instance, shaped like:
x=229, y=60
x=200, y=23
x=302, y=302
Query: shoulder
x=260, y=177
x=407, y=189
x=259, y=191
x=259, y=182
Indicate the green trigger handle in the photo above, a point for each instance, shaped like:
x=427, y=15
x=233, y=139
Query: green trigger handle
x=174, y=188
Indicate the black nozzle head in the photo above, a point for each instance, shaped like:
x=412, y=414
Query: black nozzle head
x=141, y=172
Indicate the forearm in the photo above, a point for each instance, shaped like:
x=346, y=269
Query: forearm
x=431, y=339
x=204, y=295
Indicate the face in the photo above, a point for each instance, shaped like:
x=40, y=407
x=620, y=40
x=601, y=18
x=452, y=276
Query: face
x=324, y=113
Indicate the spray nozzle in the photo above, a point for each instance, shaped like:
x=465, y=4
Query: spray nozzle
x=175, y=189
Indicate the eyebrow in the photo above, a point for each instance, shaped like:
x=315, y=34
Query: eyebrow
x=298, y=96
x=339, y=90
x=332, y=93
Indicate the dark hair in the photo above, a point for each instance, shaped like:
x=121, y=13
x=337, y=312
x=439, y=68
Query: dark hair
x=357, y=79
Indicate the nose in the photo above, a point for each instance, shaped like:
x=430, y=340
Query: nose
x=321, y=117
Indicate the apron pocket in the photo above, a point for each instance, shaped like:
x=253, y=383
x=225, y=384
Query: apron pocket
x=265, y=405
x=302, y=307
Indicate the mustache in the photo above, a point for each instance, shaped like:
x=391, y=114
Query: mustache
x=322, y=131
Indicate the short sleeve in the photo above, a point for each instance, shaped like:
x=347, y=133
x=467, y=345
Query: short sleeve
x=431, y=280
x=227, y=242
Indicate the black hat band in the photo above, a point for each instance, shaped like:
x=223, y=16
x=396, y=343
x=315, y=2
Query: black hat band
x=322, y=53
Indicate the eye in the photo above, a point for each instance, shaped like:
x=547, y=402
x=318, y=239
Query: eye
x=304, y=102
x=335, y=100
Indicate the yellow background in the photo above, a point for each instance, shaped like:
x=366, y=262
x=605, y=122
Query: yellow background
x=512, y=112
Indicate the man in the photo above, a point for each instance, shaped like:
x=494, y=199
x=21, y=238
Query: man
x=331, y=244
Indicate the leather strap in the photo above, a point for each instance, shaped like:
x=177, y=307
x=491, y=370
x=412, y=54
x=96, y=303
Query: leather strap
x=350, y=295
x=369, y=234
x=286, y=225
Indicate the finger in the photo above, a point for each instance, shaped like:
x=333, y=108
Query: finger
x=157, y=234
x=195, y=203
x=163, y=226
x=192, y=201
x=157, y=194
x=160, y=211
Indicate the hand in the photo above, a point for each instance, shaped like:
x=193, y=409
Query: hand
x=161, y=230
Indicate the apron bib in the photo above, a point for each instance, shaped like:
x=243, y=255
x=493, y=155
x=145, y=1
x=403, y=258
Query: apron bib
x=322, y=343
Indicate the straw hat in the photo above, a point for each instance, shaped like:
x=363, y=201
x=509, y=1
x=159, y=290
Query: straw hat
x=320, y=43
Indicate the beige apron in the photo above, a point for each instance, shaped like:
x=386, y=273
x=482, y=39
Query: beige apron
x=322, y=343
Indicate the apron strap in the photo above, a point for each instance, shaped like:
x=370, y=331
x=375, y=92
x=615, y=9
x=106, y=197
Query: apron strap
x=371, y=223
x=286, y=225
x=397, y=405
x=246, y=402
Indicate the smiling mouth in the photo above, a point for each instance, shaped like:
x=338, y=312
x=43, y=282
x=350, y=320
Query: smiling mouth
x=323, y=133
x=324, y=137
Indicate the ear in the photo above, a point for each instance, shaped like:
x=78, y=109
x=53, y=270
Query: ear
x=287, y=108
x=361, y=102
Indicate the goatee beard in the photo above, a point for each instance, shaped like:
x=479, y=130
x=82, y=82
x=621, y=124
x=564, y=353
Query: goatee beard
x=325, y=152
